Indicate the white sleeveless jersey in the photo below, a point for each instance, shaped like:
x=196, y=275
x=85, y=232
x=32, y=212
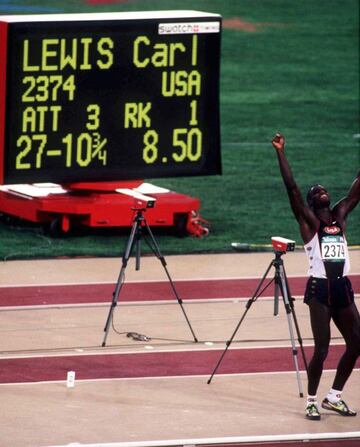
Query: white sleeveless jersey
x=327, y=252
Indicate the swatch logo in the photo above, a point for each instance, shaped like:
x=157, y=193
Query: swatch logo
x=189, y=28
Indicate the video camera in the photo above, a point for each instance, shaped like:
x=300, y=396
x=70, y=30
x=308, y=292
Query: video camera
x=281, y=244
x=141, y=201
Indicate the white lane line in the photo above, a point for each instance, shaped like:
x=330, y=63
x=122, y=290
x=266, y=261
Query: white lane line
x=186, y=301
x=146, y=281
x=136, y=303
x=75, y=352
x=169, y=378
x=136, y=281
x=292, y=437
x=303, y=437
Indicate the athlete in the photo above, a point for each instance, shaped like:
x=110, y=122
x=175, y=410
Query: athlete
x=328, y=293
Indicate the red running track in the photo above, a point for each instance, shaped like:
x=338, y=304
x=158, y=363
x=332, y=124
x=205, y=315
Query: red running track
x=145, y=291
x=151, y=364
x=157, y=364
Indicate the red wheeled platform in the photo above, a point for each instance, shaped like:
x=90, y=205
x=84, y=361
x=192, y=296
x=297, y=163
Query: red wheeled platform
x=99, y=205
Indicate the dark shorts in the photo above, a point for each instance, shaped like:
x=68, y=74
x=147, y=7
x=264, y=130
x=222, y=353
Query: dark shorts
x=337, y=293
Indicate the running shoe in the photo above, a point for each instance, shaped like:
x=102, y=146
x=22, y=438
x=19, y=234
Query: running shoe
x=340, y=407
x=312, y=412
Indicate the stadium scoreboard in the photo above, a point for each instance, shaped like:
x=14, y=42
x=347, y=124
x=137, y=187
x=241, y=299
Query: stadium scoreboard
x=109, y=96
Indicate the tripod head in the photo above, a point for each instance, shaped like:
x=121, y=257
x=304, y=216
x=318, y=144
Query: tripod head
x=139, y=210
x=141, y=201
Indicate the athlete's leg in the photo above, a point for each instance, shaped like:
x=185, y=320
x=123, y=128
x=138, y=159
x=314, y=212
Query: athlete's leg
x=320, y=316
x=347, y=321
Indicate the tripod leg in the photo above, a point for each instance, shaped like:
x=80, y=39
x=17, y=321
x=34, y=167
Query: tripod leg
x=297, y=328
x=158, y=254
x=137, y=248
x=114, y=303
x=288, y=312
x=248, y=305
x=120, y=280
x=276, y=297
x=228, y=343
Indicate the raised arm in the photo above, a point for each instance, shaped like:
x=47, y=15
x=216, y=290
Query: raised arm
x=349, y=202
x=306, y=218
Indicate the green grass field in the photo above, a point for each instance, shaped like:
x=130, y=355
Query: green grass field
x=298, y=72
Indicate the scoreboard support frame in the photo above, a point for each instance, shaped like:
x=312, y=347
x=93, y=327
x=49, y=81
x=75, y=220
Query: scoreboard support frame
x=97, y=205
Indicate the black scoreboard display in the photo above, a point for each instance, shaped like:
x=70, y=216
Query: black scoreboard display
x=109, y=96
